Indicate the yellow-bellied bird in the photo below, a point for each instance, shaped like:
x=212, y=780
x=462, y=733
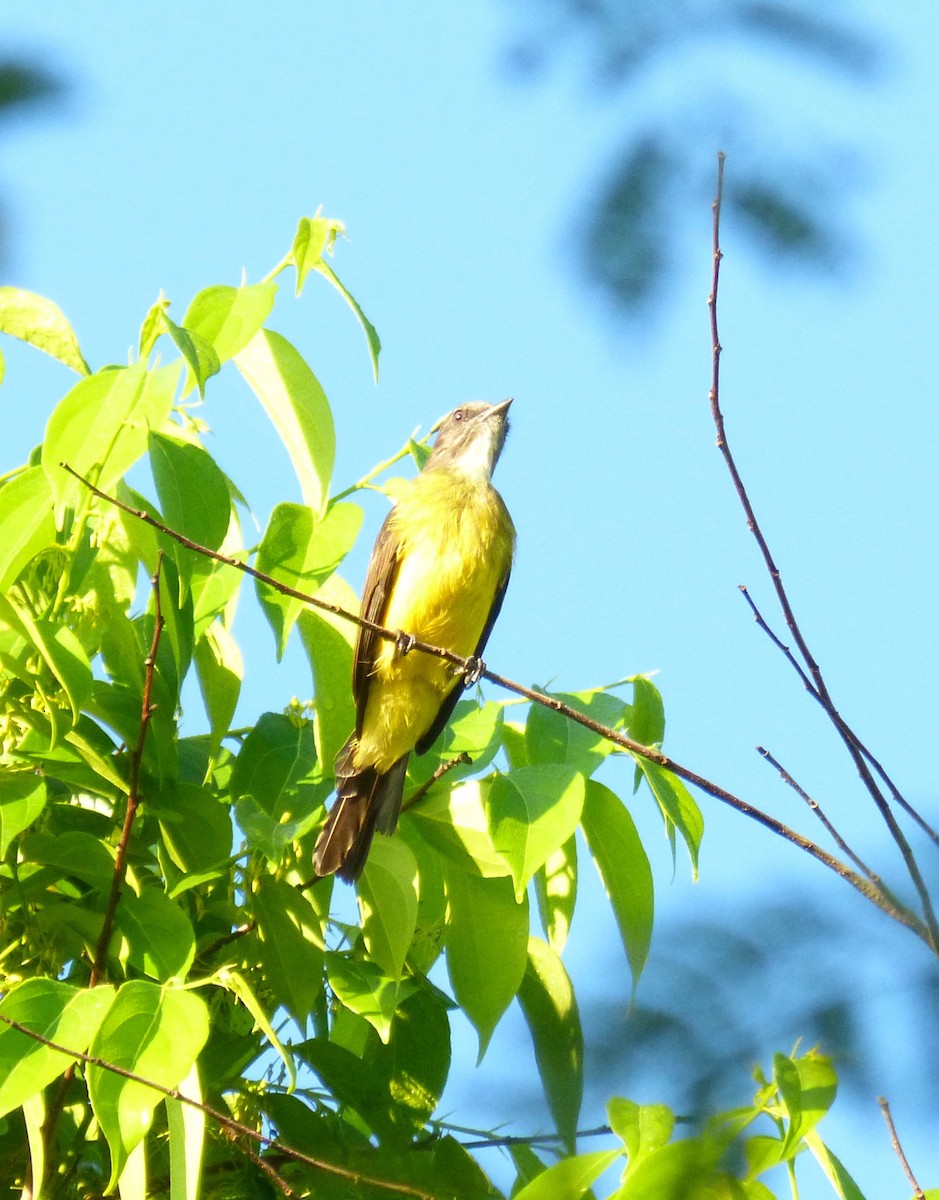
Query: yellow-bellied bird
x=438, y=574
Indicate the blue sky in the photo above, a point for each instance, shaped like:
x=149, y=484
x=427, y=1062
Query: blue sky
x=193, y=138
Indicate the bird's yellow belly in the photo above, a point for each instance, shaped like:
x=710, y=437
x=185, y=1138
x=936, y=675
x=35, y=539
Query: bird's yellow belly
x=447, y=578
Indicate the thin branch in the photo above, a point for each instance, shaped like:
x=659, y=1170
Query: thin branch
x=462, y=759
x=133, y=790
x=536, y=1139
x=222, y=1119
x=918, y=1193
x=265, y=1167
x=848, y=737
x=810, y=688
x=884, y=902
x=816, y=808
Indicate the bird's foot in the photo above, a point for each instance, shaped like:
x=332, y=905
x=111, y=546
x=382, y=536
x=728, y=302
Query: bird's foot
x=404, y=643
x=473, y=671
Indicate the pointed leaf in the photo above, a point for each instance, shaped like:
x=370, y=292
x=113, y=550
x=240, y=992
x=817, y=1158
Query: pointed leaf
x=27, y=524
x=193, y=494
x=34, y=319
x=291, y=938
x=100, y=428
x=677, y=806
x=199, y=354
x=220, y=671
x=292, y=397
x=364, y=989
x=550, y=1007
x=387, y=892
x=302, y=552
x=454, y=821
x=487, y=947
x=371, y=333
x=157, y=1034
x=228, y=318
x=624, y=868
x=22, y=799
x=58, y=1012
x=186, y=1129
x=158, y=937
x=570, y=1178
x=327, y=642
x=533, y=811
x=556, y=892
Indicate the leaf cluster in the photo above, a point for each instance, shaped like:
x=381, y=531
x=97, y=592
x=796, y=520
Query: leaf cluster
x=183, y=1008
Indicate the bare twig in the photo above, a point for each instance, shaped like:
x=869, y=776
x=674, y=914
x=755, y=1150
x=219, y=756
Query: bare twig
x=536, y=1139
x=816, y=808
x=880, y=899
x=813, y=671
x=918, y=1193
x=133, y=790
x=462, y=759
x=222, y=1119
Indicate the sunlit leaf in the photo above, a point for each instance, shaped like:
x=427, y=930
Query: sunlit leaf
x=42, y=324
x=569, y=1179
x=297, y=406
x=387, y=892
x=550, y=1007
x=26, y=522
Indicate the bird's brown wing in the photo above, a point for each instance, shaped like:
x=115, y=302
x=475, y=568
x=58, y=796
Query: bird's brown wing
x=443, y=714
x=379, y=584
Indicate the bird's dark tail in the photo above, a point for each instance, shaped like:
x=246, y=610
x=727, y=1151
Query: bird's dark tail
x=366, y=801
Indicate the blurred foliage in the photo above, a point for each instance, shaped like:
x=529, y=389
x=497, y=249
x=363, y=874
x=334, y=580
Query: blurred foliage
x=23, y=86
x=666, y=66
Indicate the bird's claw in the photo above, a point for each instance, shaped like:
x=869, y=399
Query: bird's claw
x=473, y=671
x=404, y=643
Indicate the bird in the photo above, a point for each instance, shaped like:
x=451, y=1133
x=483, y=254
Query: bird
x=438, y=574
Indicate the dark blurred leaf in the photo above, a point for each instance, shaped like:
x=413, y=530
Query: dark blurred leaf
x=25, y=83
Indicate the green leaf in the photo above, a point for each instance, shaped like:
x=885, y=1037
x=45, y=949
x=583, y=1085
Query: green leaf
x=22, y=799
x=156, y=1033
x=77, y=854
x=100, y=428
x=551, y=737
x=314, y=237
x=327, y=642
x=533, y=811
x=364, y=989
x=42, y=324
x=645, y=718
x=419, y=1053
x=186, y=1128
x=196, y=828
x=642, y=1128
x=27, y=524
x=292, y=397
x=807, y=1088
x=273, y=766
x=58, y=1012
x=556, y=893
x=355, y=1084
x=677, y=806
x=550, y=1007
x=157, y=937
x=60, y=650
x=474, y=729
x=687, y=1169
x=242, y=989
x=454, y=821
x=301, y=551
x=570, y=1178
x=193, y=493
x=371, y=333
x=220, y=671
x=843, y=1185
x=228, y=318
x=199, y=354
x=624, y=868
x=291, y=940
x=387, y=892
x=487, y=947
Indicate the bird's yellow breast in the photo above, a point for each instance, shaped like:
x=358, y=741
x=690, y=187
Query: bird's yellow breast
x=455, y=542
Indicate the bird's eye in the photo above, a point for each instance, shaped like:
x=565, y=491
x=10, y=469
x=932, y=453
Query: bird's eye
x=458, y=415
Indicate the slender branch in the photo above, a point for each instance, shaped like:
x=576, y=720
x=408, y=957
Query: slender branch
x=848, y=737
x=263, y=1165
x=886, y=903
x=133, y=791
x=810, y=688
x=462, y=759
x=918, y=1193
x=536, y=1139
x=222, y=1119
x=816, y=808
